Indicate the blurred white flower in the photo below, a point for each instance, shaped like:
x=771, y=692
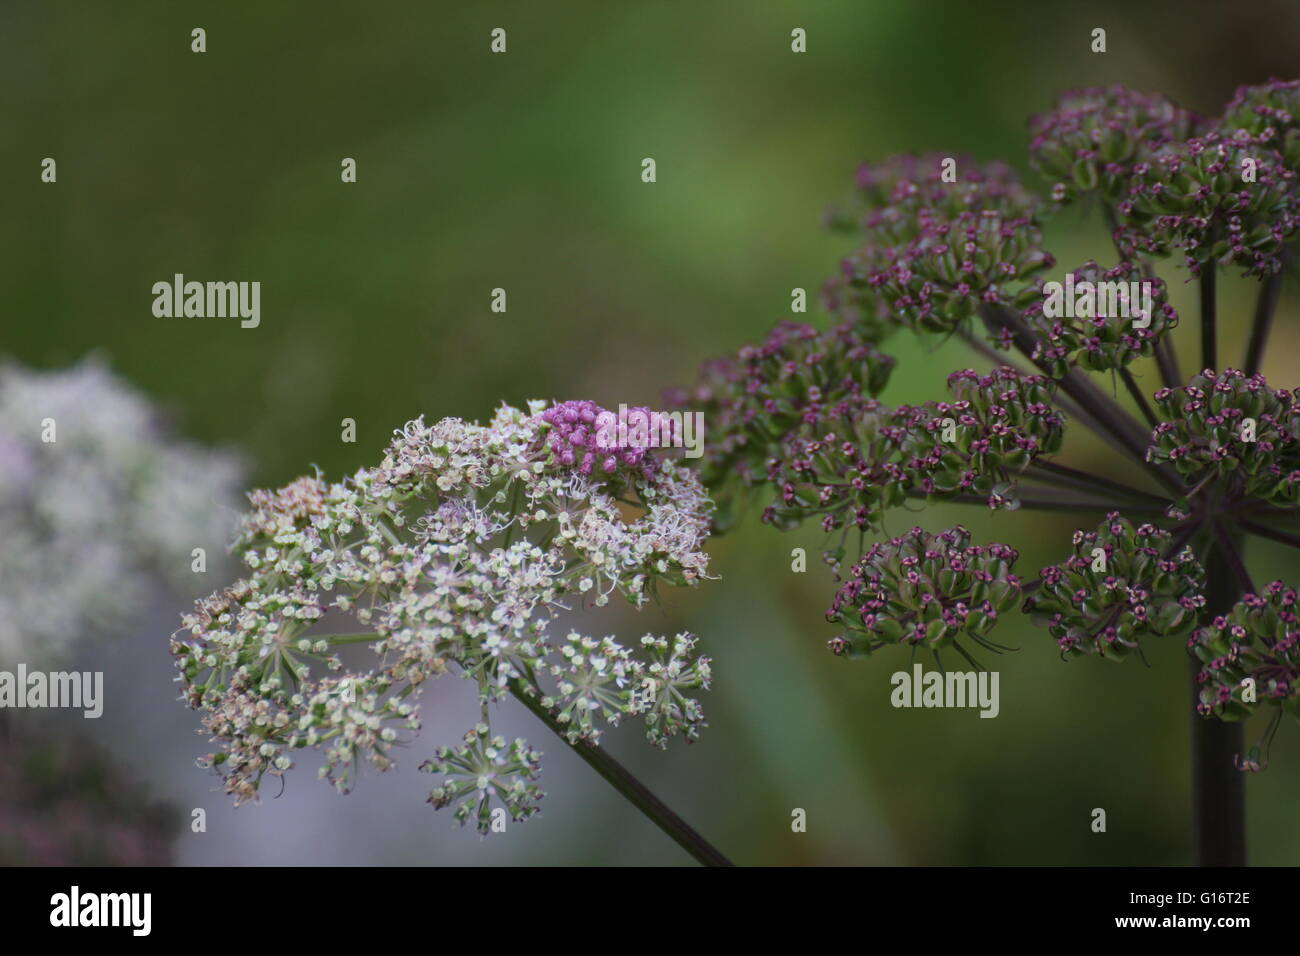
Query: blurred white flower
x=90, y=519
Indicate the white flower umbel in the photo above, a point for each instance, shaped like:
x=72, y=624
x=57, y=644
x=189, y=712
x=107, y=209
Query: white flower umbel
x=454, y=554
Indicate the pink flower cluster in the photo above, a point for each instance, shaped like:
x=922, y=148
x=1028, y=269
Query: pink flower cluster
x=594, y=439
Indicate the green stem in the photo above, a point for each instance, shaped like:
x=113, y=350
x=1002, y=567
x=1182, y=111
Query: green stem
x=617, y=776
x=367, y=638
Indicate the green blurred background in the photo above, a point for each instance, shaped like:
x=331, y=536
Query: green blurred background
x=522, y=171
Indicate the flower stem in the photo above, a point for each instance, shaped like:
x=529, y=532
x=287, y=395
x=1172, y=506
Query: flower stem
x=614, y=772
x=1166, y=355
x=1167, y=363
x=1056, y=473
x=1058, y=399
x=1046, y=501
x=1122, y=427
x=1209, y=321
x=1273, y=534
x=1232, y=552
x=369, y=637
x=1265, y=306
x=1218, y=787
x=618, y=777
x=1139, y=396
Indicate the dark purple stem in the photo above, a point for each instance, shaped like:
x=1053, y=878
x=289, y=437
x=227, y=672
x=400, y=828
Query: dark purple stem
x=1139, y=396
x=1218, y=787
x=1265, y=307
x=625, y=783
x=1120, y=425
x=1273, y=534
x=1209, y=337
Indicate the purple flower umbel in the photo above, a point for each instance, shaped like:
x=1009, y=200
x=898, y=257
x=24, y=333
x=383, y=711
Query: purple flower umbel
x=956, y=250
x=593, y=440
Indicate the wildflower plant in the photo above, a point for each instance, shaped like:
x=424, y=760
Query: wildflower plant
x=950, y=248
x=455, y=554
